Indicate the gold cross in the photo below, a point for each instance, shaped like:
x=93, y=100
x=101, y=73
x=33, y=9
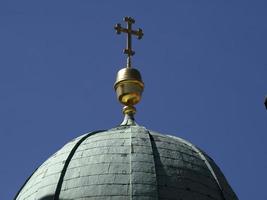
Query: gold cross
x=139, y=33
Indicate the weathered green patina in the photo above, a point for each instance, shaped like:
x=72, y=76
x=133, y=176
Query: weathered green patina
x=127, y=162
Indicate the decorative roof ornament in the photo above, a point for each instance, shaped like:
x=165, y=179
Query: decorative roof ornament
x=129, y=85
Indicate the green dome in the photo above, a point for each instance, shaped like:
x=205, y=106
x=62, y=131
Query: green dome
x=127, y=162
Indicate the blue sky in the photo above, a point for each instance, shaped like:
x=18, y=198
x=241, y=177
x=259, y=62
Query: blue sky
x=204, y=66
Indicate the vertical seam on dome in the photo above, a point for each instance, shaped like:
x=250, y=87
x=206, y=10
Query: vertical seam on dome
x=205, y=160
x=67, y=162
x=141, y=130
x=153, y=146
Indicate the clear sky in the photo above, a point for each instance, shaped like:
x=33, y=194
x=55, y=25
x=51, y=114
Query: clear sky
x=204, y=65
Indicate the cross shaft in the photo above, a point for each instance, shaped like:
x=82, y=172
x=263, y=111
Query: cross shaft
x=139, y=33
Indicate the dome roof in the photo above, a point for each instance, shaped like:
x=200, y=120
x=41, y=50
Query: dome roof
x=127, y=162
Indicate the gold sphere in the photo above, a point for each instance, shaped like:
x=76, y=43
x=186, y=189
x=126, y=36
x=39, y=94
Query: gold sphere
x=129, y=86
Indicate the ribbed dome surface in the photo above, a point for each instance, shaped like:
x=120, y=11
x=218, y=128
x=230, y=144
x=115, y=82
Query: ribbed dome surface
x=127, y=162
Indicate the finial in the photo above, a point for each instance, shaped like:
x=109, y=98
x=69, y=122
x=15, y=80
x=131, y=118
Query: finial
x=129, y=85
x=130, y=32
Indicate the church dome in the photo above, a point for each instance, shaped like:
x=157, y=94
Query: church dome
x=127, y=162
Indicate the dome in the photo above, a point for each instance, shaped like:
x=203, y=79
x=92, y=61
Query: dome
x=127, y=162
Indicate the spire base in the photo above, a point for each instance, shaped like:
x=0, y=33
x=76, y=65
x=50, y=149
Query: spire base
x=128, y=120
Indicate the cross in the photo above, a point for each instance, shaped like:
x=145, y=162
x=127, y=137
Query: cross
x=139, y=33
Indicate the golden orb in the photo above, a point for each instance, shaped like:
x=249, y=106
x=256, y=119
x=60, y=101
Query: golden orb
x=129, y=86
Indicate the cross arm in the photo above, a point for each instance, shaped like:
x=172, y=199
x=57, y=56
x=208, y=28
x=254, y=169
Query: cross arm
x=119, y=29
